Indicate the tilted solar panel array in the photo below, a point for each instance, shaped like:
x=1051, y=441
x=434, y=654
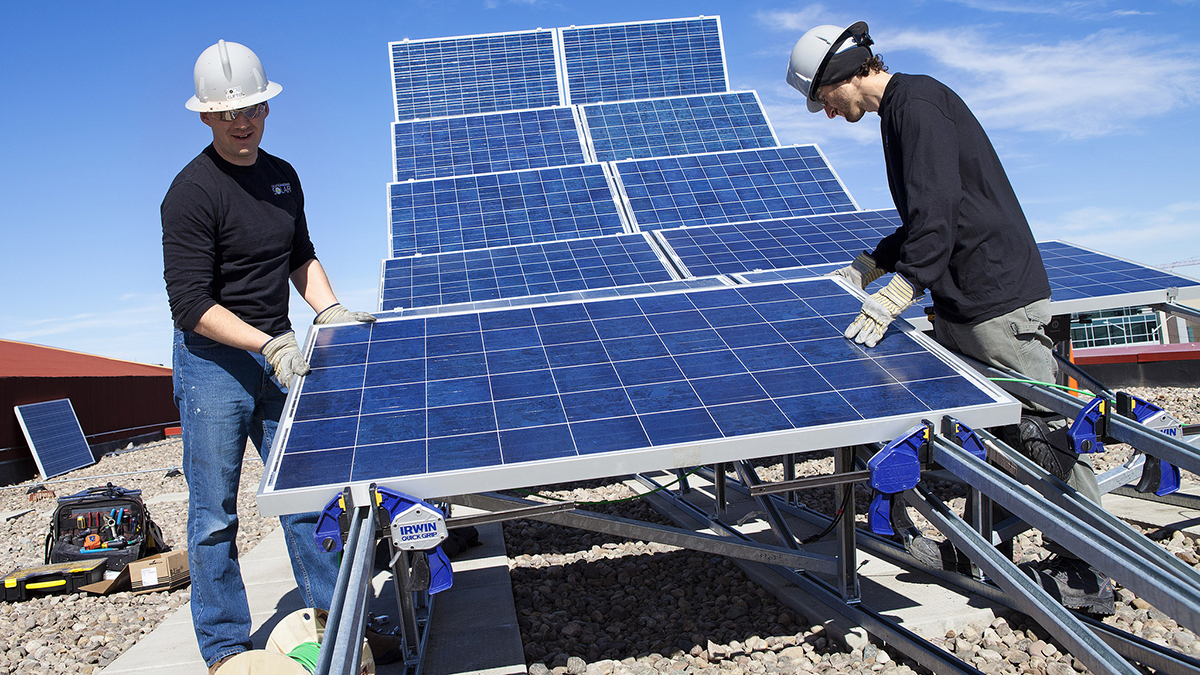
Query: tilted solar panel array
x=559, y=196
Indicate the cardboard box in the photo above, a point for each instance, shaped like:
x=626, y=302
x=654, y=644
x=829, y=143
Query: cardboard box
x=165, y=571
x=162, y=572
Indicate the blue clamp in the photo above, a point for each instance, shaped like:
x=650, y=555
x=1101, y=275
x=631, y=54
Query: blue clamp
x=410, y=523
x=1158, y=476
x=894, y=469
x=964, y=436
x=1087, y=432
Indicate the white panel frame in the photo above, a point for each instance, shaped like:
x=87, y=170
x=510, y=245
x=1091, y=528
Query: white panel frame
x=1003, y=409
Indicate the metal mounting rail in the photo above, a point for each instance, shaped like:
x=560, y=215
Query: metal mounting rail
x=1149, y=441
x=673, y=536
x=1179, y=599
x=910, y=644
x=1086, y=511
x=341, y=645
x=1162, y=659
x=1029, y=595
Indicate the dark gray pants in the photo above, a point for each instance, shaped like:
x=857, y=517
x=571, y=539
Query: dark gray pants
x=1017, y=341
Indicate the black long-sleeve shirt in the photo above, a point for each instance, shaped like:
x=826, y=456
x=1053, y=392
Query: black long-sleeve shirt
x=964, y=236
x=232, y=235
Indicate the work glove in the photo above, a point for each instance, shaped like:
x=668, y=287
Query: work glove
x=335, y=313
x=861, y=272
x=284, y=355
x=880, y=309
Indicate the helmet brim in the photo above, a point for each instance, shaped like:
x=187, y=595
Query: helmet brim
x=196, y=105
x=814, y=106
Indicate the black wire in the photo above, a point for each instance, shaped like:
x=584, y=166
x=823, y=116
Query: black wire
x=837, y=517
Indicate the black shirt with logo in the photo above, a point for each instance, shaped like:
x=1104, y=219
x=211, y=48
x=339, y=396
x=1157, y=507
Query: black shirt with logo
x=964, y=236
x=232, y=235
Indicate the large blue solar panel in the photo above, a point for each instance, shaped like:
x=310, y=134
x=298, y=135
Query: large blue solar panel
x=1081, y=280
x=727, y=187
x=54, y=436
x=502, y=209
x=682, y=125
x=776, y=244
x=520, y=271
x=467, y=402
x=484, y=73
x=620, y=62
x=487, y=143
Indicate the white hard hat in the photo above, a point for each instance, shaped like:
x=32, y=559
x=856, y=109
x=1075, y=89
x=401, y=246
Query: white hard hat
x=229, y=76
x=824, y=55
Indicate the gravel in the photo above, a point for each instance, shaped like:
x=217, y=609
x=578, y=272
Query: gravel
x=587, y=604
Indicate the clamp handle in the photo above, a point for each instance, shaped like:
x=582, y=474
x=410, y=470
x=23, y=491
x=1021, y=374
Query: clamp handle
x=1159, y=477
x=1087, y=432
x=894, y=469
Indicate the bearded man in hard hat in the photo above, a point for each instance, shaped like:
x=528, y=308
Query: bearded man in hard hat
x=234, y=235
x=964, y=238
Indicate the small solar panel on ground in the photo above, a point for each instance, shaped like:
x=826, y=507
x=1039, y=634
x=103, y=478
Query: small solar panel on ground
x=725, y=187
x=502, y=209
x=520, y=271
x=777, y=244
x=677, y=126
x=468, y=402
x=54, y=436
x=487, y=143
x=619, y=62
x=473, y=74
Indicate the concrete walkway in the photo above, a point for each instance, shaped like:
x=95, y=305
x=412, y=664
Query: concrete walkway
x=480, y=580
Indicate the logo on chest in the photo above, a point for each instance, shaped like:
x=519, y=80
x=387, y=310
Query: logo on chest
x=282, y=188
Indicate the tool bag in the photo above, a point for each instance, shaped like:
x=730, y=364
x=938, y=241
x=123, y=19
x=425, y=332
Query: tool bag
x=107, y=522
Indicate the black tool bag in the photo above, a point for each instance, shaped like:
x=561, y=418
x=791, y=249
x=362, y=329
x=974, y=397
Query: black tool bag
x=107, y=522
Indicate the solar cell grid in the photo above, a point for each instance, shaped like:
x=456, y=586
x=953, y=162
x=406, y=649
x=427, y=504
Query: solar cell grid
x=643, y=60
x=726, y=187
x=54, y=436
x=460, y=76
x=486, y=143
x=677, y=126
x=416, y=403
x=502, y=209
x=776, y=244
x=520, y=271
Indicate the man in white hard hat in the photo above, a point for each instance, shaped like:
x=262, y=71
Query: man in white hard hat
x=234, y=235
x=964, y=238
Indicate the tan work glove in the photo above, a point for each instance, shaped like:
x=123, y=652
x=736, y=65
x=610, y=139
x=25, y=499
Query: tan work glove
x=862, y=271
x=335, y=313
x=880, y=309
x=285, y=358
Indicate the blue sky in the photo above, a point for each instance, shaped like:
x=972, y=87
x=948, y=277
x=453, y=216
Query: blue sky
x=1092, y=105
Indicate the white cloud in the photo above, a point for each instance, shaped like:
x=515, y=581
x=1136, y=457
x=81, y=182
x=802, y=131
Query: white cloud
x=1104, y=83
x=1075, y=9
x=801, y=20
x=1150, y=237
x=140, y=330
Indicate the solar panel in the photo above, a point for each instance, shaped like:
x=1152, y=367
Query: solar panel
x=1081, y=280
x=725, y=187
x=54, y=436
x=618, y=62
x=468, y=402
x=472, y=74
x=677, y=126
x=776, y=244
x=520, y=271
x=502, y=209
x=486, y=143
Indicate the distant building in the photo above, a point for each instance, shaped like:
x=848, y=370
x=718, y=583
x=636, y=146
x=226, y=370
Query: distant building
x=113, y=399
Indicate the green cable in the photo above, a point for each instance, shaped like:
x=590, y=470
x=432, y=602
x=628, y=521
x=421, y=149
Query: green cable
x=305, y=654
x=1046, y=384
x=612, y=501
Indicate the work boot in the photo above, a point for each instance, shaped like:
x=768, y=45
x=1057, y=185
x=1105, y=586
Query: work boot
x=1031, y=437
x=939, y=555
x=386, y=646
x=1073, y=583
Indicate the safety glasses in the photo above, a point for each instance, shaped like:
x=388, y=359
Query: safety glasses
x=250, y=112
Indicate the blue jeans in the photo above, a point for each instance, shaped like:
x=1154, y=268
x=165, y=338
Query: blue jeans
x=226, y=396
